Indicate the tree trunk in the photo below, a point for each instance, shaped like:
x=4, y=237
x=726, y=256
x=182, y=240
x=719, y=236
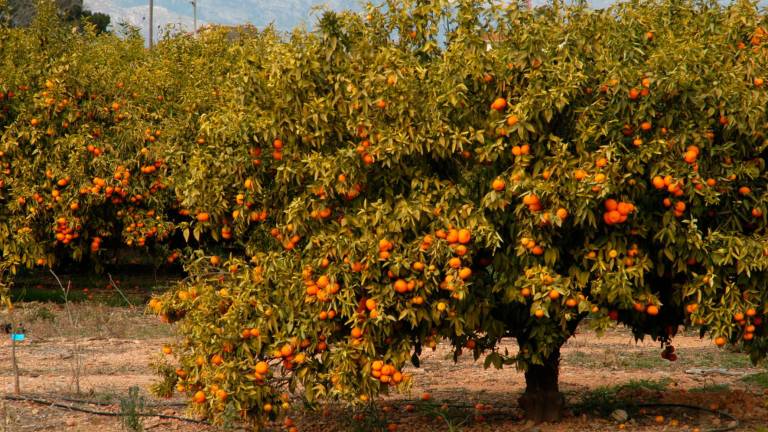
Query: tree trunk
x=542, y=400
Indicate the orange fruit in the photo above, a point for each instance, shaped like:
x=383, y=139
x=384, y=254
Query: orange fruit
x=286, y=350
x=498, y=185
x=401, y=286
x=464, y=236
x=199, y=397
x=370, y=304
x=261, y=368
x=652, y=310
x=720, y=341
x=221, y=394
x=499, y=104
x=465, y=273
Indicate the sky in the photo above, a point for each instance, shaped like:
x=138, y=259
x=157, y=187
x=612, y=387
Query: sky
x=284, y=14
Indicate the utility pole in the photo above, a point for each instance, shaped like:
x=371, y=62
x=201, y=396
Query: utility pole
x=151, y=22
x=194, y=9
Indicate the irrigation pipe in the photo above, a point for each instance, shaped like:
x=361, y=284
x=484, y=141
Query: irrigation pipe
x=102, y=413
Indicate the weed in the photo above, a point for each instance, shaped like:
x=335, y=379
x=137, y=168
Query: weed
x=711, y=388
x=131, y=408
x=760, y=379
x=604, y=400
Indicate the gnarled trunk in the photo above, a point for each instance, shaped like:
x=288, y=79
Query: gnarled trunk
x=542, y=400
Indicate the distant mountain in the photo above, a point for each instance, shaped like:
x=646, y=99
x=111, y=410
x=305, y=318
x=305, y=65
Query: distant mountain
x=23, y=11
x=285, y=14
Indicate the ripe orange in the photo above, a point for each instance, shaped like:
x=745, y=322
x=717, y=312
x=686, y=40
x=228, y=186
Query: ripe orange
x=199, y=397
x=464, y=236
x=499, y=104
x=562, y=214
x=401, y=286
x=203, y=217
x=286, y=350
x=261, y=368
x=720, y=341
x=498, y=185
x=652, y=310
x=370, y=304
x=221, y=394
x=465, y=273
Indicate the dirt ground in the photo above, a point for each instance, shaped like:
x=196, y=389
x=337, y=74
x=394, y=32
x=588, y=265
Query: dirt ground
x=598, y=376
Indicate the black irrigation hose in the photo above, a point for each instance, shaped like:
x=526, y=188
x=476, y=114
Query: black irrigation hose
x=105, y=403
x=733, y=425
x=734, y=421
x=103, y=413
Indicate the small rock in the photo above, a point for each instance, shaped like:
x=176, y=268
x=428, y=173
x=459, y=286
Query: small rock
x=620, y=415
x=70, y=421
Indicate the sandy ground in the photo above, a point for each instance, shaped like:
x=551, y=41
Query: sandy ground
x=118, y=343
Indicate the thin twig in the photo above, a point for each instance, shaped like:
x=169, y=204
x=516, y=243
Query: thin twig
x=114, y=285
x=76, y=361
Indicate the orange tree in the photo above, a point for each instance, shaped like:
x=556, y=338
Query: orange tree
x=388, y=182
x=83, y=119
x=429, y=171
